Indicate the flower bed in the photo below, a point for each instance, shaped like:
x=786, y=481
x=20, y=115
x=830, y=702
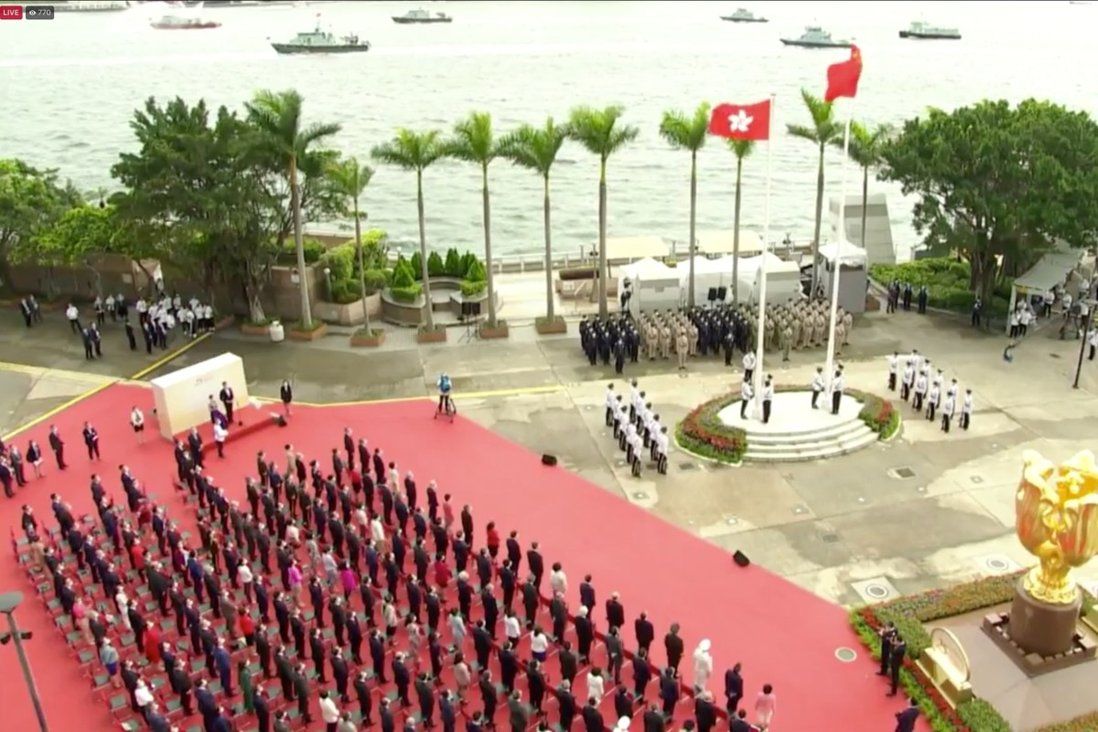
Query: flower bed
x=878, y=414
x=702, y=432
x=909, y=613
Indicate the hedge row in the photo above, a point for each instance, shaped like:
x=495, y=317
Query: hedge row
x=947, y=282
x=703, y=432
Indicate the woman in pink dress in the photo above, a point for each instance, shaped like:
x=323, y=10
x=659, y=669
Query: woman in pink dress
x=765, y=704
x=296, y=578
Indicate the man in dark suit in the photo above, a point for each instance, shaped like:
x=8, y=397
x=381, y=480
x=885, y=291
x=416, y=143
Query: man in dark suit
x=642, y=674
x=536, y=562
x=905, y=720
x=733, y=689
x=672, y=643
x=566, y=704
x=653, y=720
x=365, y=702
x=426, y=696
x=262, y=710
x=644, y=631
x=739, y=723
x=301, y=691
x=340, y=673
x=669, y=692
x=569, y=663
x=587, y=594
x=518, y=716
x=896, y=662
x=592, y=717
x=615, y=613
x=58, y=447
x=488, y=694
x=705, y=712
x=887, y=634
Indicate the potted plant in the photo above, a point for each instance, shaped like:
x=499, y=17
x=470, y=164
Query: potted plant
x=437, y=334
x=500, y=331
x=255, y=327
x=546, y=325
x=298, y=332
x=370, y=338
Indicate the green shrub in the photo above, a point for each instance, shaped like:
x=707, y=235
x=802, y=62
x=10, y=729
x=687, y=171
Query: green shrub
x=979, y=715
x=377, y=279
x=341, y=261
x=417, y=266
x=435, y=267
x=467, y=261
x=476, y=272
x=402, y=273
x=470, y=288
x=346, y=292
x=375, y=249
x=314, y=250
x=452, y=266
x=703, y=432
x=407, y=293
x=947, y=282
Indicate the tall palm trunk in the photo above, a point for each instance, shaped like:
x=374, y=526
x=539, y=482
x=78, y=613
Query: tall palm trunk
x=736, y=235
x=361, y=271
x=865, y=200
x=295, y=201
x=423, y=251
x=488, y=248
x=693, y=211
x=819, y=218
x=548, y=257
x=602, y=241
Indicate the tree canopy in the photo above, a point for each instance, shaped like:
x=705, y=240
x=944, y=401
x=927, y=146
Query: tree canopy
x=31, y=200
x=999, y=184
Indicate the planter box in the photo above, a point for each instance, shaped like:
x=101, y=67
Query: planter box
x=500, y=331
x=254, y=330
x=225, y=322
x=307, y=335
x=368, y=341
x=551, y=327
x=431, y=336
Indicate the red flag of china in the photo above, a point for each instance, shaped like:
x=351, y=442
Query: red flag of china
x=842, y=78
x=741, y=121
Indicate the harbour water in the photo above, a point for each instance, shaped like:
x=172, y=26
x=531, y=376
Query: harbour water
x=68, y=89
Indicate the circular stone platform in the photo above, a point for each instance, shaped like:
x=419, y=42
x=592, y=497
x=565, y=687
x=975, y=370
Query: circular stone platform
x=798, y=432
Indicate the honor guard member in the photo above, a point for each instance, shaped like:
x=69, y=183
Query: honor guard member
x=635, y=450
x=785, y=340
x=619, y=355
x=768, y=397
x=920, y=392
x=966, y=409
x=817, y=386
x=840, y=338
x=748, y=366
x=662, y=441
x=624, y=423
x=947, y=412
x=611, y=402
x=665, y=342
x=893, y=365
x=746, y=395
x=683, y=346
x=634, y=399
x=837, y=391
x=933, y=400
x=619, y=415
x=908, y=380
x=729, y=346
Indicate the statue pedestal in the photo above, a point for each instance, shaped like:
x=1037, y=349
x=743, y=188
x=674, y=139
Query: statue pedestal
x=1040, y=627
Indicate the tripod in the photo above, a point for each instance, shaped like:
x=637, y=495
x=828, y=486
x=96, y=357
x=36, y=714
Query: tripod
x=472, y=329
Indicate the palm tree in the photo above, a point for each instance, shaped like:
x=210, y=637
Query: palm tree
x=277, y=117
x=688, y=133
x=865, y=149
x=350, y=179
x=822, y=132
x=474, y=142
x=598, y=131
x=415, y=151
x=537, y=150
x=741, y=149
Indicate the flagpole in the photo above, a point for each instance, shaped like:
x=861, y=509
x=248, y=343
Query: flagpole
x=761, y=338
x=837, y=266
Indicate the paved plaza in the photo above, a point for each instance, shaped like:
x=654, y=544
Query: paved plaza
x=925, y=510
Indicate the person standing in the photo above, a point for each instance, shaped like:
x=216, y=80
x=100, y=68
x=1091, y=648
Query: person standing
x=137, y=422
x=91, y=441
x=682, y=347
x=228, y=399
x=73, y=316
x=948, y=408
x=908, y=379
x=768, y=398
x=220, y=435
x=286, y=394
x=733, y=689
x=766, y=703
x=746, y=395
x=893, y=366
x=817, y=386
x=932, y=401
x=703, y=665
x=966, y=410
x=748, y=365
x=887, y=634
x=977, y=312
x=920, y=392
x=58, y=447
x=905, y=719
x=837, y=391
x=896, y=662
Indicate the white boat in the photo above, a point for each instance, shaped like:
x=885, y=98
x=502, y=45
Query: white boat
x=743, y=15
x=183, y=22
x=925, y=31
x=419, y=15
x=815, y=37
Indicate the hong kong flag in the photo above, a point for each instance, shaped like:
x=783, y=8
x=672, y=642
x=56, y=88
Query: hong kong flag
x=741, y=121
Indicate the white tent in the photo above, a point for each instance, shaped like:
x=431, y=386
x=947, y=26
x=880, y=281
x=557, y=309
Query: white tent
x=853, y=277
x=654, y=285
x=1051, y=270
x=626, y=248
x=708, y=274
x=721, y=241
x=783, y=279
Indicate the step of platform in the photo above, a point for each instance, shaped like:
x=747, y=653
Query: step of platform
x=798, y=451
x=822, y=434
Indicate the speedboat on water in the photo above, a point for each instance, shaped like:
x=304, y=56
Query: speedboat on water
x=419, y=15
x=815, y=37
x=925, y=31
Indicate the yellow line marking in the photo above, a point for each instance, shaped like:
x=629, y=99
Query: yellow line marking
x=60, y=408
x=168, y=358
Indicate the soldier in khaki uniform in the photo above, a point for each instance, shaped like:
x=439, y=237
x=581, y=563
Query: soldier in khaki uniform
x=665, y=342
x=692, y=339
x=785, y=339
x=682, y=348
x=848, y=326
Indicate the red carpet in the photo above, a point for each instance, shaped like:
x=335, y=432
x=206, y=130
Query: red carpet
x=783, y=635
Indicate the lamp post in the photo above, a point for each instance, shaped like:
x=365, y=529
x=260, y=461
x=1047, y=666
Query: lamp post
x=328, y=280
x=1083, y=343
x=8, y=602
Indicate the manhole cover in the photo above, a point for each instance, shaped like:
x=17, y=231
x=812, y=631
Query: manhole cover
x=876, y=591
x=904, y=472
x=830, y=538
x=688, y=466
x=996, y=564
x=640, y=495
x=976, y=478
x=731, y=520
x=846, y=655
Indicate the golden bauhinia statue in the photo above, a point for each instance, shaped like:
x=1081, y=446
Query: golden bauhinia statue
x=1056, y=509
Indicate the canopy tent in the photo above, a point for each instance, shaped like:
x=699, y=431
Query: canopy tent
x=628, y=248
x=852, y=276
x=708, y=274
x=654, y=285
x=783, y=279
x=721, y=241
x=1054, y=268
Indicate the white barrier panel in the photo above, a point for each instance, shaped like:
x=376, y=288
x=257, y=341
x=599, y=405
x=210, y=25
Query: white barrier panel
x=182, y=396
